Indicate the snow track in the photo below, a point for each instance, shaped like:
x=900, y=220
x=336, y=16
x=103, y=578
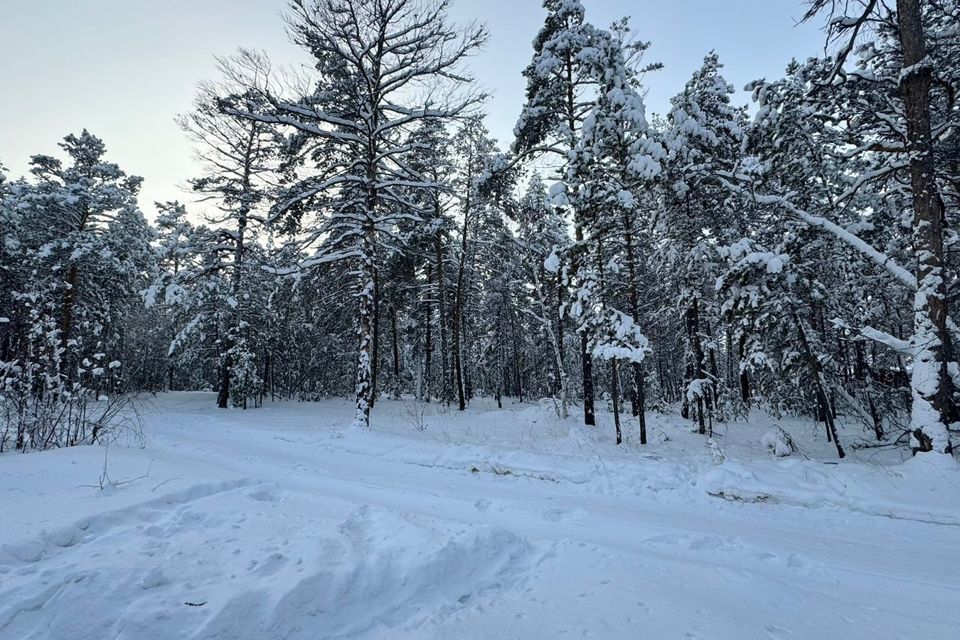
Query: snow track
x=262, y=525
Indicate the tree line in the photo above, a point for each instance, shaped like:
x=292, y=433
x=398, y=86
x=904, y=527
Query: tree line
x=363, y=234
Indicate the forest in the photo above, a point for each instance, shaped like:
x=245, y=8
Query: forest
x=362, y=234
x=380, y=375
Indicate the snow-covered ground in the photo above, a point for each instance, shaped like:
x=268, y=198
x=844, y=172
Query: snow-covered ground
x=281, y=523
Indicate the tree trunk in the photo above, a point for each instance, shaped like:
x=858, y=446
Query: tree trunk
x=517, y=368
x=445, y=391
x=375, y=355
x=820, y=386
x=396, y=352
x=459, y=297
x=637, y=397
x=428, y=340
x=551, y=315
x=367, y=284
x=66, y=323
x=744, y=378
x=223, y=394
x=457, y=361
x=586, y=360
x=931, y=382
x=69, y=299
x=697, y=371
x=615, y=397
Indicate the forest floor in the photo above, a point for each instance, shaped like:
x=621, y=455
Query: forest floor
x=280, y=522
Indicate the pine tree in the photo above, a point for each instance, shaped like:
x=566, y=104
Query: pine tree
x=902, y=33
x=239, y=159
x=559, y=80
x=473, y=148
x=83, y=246
x=542, y=238
x=704, y=136
x=370, y=56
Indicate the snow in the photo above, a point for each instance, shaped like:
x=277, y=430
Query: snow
x=778, y=442
x=282, y=522
x=552, y=263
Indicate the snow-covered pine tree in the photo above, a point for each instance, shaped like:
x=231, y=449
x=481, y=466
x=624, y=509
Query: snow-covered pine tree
x=615, y=159
x=507, y=339
x=372, y=57
x=542, y=239
x=11, y=275
x=559, y=81
x=904, y=136
x=704, y=136
x=239, y=158
x=768, y=298
x=794, y=153
x=472, y=148
x=83, y=246
x=175, y=252
x=427, y=239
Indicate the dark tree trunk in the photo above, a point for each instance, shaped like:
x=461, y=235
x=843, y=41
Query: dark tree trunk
x=586, y=360
x=69, y=299
x=639, y=380
x=697, y=371
x=744, y=378
x=517, y=368
x=445, y=390
x=615, y=397
x=396, y=348
x=66, y=321
x=375, y=357
x=223, y=394
x=458, y=368
x=928, y=213
x=428, y=340
x=637, y=396
x=459, y=299
x=823, y=397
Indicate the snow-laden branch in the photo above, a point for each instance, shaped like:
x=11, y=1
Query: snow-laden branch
x=848, y=238
x=900, y=346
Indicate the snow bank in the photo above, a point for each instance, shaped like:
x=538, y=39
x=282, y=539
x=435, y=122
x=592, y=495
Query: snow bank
x=925, y=489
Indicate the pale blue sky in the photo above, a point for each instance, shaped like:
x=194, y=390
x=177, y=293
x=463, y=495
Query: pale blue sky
x=124, y=68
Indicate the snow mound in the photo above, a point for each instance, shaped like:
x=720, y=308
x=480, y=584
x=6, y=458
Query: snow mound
x=924, y=489
x=778, y=442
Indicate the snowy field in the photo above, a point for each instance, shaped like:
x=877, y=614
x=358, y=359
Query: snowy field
x=281, y=523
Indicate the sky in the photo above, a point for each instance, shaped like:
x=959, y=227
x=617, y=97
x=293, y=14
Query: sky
x=124, y=68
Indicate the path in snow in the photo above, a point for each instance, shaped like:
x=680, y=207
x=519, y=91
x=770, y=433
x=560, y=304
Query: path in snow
x=276, y=524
